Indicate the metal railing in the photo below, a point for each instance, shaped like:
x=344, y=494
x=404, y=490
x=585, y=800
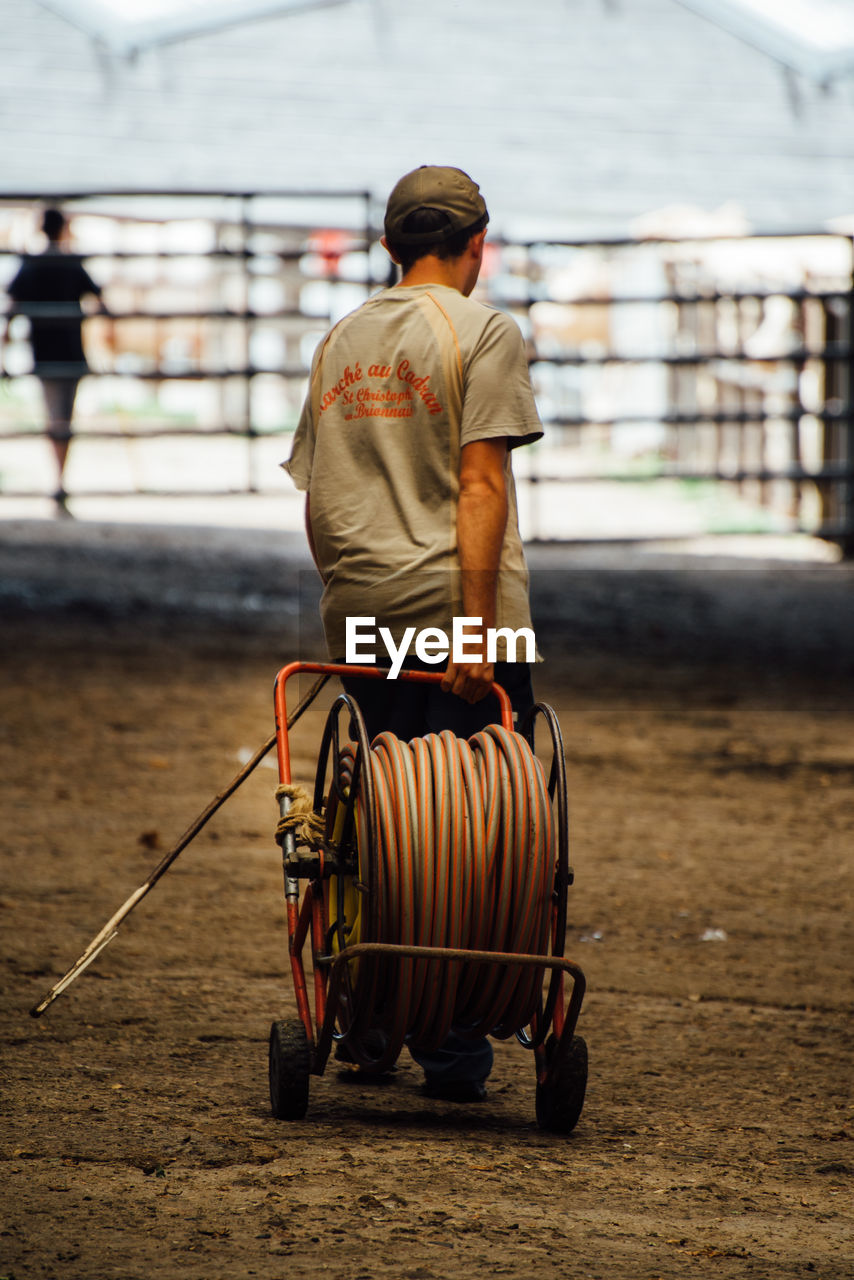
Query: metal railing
x=658, y=365
x=732, y=369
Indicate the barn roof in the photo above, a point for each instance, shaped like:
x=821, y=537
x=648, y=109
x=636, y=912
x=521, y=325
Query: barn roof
x=812, y=37
x=575, y=119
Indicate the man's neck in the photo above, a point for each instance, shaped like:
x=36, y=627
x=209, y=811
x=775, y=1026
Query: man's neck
x=432, y=270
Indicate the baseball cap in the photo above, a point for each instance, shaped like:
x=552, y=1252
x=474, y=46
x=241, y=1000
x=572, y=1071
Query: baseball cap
x=433, y=187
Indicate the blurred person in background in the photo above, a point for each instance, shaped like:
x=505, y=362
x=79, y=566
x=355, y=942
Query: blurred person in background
x=48, y=290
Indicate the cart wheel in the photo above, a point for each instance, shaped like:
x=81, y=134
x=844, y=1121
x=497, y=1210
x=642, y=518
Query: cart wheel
x=290, y=1064
x=560, y=1100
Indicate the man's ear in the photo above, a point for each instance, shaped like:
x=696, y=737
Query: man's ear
x=385, y=244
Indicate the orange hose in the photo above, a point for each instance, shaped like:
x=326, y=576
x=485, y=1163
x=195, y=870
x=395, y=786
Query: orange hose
x=465, y=860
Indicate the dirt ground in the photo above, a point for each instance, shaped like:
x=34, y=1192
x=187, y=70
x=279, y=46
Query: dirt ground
x=710, y=748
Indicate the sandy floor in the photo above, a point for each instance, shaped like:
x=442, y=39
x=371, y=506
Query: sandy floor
x=709, y=729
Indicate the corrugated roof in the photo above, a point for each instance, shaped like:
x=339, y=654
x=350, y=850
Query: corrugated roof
x=573, y=118
x=126, y=27
x=812, y=37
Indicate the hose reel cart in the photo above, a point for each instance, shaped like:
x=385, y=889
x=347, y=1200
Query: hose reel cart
x=435, y=879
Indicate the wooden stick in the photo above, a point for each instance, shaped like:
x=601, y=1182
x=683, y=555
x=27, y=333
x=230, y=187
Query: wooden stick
x=111, y=928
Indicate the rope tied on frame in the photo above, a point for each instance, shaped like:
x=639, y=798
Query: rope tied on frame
x=301, y=818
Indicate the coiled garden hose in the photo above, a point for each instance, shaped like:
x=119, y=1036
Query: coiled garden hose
x=462, y=857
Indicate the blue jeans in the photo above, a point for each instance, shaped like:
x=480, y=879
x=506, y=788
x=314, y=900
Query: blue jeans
x=411, y=710
x=456, y=1061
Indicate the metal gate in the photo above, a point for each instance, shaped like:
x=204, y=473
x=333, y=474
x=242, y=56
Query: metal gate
x=687, y=387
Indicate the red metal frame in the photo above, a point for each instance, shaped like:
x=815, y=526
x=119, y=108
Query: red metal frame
x=347, y=669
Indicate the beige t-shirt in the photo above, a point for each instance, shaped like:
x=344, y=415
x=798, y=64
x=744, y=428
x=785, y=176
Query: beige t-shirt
x=397, y=388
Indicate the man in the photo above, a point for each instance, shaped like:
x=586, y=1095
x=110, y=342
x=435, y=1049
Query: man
x=415, y=402
x=48, y=289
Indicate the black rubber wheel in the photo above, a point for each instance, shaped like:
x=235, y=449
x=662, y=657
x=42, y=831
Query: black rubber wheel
x=290, y=1064
x=559, y=1102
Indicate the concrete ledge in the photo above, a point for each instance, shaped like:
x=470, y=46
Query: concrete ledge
x=654, y=603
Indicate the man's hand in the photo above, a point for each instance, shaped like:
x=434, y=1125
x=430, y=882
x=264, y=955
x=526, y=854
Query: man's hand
x=470, y=681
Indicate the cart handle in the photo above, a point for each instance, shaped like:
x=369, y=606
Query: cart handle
x=348, y=669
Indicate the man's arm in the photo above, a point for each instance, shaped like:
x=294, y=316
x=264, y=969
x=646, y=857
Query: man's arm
x=90, y=290
x=481, y=518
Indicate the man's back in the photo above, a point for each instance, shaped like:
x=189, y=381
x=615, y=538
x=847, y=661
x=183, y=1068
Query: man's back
x=48, y=289
x=398, y=388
